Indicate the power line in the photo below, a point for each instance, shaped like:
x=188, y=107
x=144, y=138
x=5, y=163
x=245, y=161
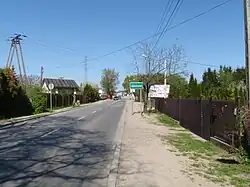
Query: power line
x=66, y=49
x=164, y=15
x=173, y=14
x=201, y=64
x=156, y=34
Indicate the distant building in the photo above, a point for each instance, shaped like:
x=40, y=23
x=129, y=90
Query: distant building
x=65, y=86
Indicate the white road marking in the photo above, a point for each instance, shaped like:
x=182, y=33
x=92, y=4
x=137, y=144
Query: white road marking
x=81, y=118
x=93, y=112
x=50, y=133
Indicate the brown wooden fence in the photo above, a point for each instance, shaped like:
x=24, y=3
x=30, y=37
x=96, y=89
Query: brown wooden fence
x=202, y=117
x=64, y=100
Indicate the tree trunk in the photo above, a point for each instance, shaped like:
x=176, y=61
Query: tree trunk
x=145, y=109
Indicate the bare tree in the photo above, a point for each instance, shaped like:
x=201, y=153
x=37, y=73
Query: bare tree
x=156, y=61
x=34, y=80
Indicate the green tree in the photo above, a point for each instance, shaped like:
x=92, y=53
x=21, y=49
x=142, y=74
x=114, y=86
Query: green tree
x=178, y=86
x=193, y=88
x=209, y=84
x=13, y=99
x=127, y=80
x=91, y=93
x=109, y=80
x=37, y=98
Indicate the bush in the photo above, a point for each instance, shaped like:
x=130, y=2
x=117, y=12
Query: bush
x=91, y=93
x=37, y=98
x=13, y=99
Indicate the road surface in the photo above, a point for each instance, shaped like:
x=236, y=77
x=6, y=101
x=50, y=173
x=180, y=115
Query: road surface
x=73, y=148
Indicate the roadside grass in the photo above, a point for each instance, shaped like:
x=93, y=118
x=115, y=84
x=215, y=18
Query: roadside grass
x=168, y=121
x=207, y=160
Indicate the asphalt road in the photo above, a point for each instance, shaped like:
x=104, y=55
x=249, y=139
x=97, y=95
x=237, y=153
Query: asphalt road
x=73, y=148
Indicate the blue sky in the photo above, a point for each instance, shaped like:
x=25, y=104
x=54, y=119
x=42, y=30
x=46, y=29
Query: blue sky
x=62, y=32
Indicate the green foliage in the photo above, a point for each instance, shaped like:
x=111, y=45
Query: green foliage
x=193, y=88
x=37, y=98
x=109, y=80
x=223, y=84
x=91, y=93
x=177, y=83
x=178, y=86
x=13, y=99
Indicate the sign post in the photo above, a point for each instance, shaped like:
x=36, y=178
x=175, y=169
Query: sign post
x=136, y=86
x=51, y=87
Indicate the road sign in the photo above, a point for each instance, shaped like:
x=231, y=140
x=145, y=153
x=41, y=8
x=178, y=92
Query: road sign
x=159, y=91
x=136, y=85
x=132, y=90
x=51, y=86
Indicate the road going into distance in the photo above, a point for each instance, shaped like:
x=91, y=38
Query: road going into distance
x=73, y=148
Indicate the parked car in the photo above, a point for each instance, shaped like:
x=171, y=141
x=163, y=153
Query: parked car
x=115, y=98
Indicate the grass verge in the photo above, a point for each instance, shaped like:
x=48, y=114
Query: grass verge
x=168, y=121
x=208, y=160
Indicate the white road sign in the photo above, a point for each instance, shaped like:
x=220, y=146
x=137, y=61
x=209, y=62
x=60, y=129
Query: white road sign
x=51, y=86
x=132, y=90
x=159, y=91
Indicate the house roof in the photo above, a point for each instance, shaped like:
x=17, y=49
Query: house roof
x=61, y=83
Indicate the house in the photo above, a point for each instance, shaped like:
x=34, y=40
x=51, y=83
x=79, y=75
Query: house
x=61, y=86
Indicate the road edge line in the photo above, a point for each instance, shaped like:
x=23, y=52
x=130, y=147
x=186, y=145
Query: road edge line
x=113, y=172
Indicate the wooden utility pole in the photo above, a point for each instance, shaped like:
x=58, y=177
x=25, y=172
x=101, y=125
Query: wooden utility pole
x=247, y=49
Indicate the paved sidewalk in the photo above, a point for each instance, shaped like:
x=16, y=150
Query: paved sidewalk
x=145, y=161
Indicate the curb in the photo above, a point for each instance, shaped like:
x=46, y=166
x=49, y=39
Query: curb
x=25, y=119
x=113, y=172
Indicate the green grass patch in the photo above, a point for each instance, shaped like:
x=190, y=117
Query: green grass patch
x=205, y=157
x=237, y=174
x=185, y=142
x=168, y=121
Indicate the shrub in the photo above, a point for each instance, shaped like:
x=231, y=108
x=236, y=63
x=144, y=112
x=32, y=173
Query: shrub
x=37, y=98
x=13, y=99
x=91, y=93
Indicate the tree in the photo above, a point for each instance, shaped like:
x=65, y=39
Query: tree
x=127, y=80
x=34, y=80
x=13, y=99
x=82, y=85
x=37, y=98
x=178, y=86
x=209, y=84
x=91, y=93
x=109, y=80
x=193, y=88
x=155, y=62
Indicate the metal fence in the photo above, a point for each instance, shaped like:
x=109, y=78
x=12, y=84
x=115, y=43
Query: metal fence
x=202, y=117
